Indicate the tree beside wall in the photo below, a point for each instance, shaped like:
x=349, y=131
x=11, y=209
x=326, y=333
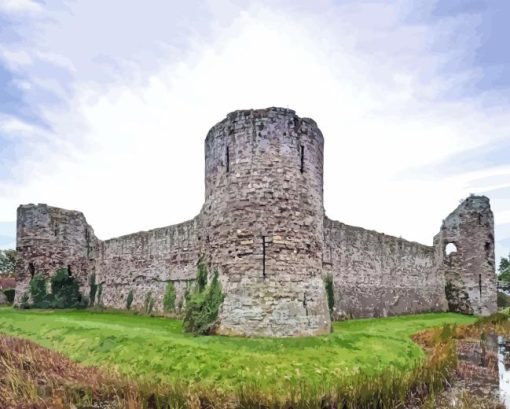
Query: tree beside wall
x=7, y=262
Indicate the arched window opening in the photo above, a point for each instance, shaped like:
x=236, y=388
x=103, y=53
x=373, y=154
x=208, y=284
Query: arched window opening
x=69, y=272
x=450, y=248
x=31, y=269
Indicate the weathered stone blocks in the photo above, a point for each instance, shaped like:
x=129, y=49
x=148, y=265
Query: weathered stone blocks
x=469, y=269
x=263, y=228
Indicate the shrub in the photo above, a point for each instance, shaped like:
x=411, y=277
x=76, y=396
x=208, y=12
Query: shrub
x=7, y=262
x=494, y=319
x=187, y=290
x=201, y=276
x=93, y=289
x=66, y=291
x=129, y=299
x=330, y=293
x=169, y=299
x=10, y=294
x=37, y=288
x=447, y=332
x=203, y=304
x=24, y=301
x=503, y=300
x=99, y=299
x=148, y=304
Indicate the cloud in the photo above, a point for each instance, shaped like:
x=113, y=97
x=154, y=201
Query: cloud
x=20, y=6
x=124, y=101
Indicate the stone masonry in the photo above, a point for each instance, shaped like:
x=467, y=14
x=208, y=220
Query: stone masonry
x=263, y=228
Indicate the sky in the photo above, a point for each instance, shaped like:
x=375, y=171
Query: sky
x=104, y=106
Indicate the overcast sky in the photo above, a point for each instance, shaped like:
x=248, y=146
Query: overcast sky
x=104, y=105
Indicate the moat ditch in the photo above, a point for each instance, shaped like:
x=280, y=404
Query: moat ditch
x=452, y=361
x=483, y=374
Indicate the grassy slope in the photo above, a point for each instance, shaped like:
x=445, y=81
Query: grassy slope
x=157, y=349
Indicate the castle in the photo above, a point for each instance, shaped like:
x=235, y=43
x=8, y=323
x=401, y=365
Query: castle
x=264, y=229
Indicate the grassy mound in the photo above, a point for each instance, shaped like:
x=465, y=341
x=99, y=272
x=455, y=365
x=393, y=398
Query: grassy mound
x=158, y=349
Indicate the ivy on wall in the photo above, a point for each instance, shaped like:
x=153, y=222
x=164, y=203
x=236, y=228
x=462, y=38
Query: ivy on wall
x=65, y=292
x=330, y=292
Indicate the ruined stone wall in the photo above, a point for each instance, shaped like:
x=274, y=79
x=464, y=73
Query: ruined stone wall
x=470, y=269
x=264, y=185
x=144, y=262
x=262, y=227
x=377, y=275
x=49, y=238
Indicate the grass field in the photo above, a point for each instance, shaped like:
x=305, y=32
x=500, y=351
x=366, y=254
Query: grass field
x=157, y=349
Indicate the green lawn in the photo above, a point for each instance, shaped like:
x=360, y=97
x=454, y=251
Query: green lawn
x=157, y=349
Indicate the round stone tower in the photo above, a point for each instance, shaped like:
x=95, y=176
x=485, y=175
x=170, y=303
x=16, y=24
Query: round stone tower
x=263, y=222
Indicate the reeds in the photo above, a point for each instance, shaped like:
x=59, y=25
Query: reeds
x=34, y=377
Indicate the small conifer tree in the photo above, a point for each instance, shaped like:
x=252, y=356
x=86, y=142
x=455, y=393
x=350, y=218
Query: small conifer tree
x=203, y=304
x=129, y=299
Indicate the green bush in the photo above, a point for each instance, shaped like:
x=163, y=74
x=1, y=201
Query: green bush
x=66, y=291
x=129, y=299
x=495, y=319
x=10, y=293
x=93, y=289
x=99, y=298
x=203, y=304
x=38, y=292
x=503, y=300
x=169, y=299
x=24, y=302
x=7, y=262
x=201, y=277
x=330, y=293
x=148, y=304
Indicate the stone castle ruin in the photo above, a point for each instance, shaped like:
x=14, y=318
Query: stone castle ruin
x=264, y=229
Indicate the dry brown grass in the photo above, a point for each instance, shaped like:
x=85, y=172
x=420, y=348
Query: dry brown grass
x=473, y=380
x=33, y=377
x=36, y=378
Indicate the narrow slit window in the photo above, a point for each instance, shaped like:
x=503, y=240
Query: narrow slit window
x=87, y=241
x=302, y=158
x=31, y=269
x=227, y=159
x=264, y=256
x=479, y=219
x=480, y=284
x=69, y=272
x=488, y=249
